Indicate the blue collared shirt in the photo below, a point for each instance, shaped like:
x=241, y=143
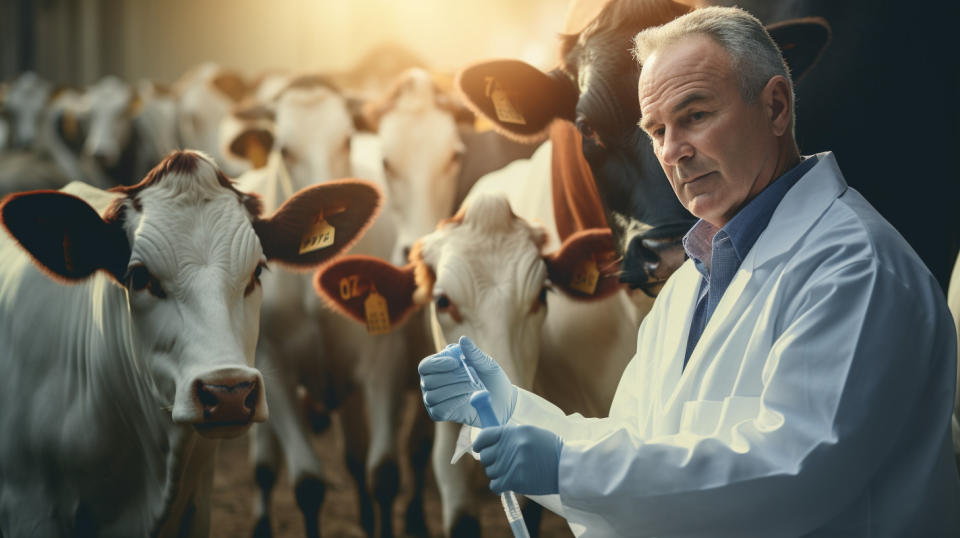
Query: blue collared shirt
x=717, y=254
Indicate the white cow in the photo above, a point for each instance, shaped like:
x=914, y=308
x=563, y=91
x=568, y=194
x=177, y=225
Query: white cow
x=486, y=283
x=24, y=102
x=305, y=346
x=127, y=334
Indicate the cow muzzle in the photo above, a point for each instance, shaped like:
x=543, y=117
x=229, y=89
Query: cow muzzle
x=649, y=262
x=223, y=403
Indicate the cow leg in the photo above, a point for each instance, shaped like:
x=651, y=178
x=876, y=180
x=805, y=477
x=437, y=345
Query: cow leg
x=265, y=453
x=293, y=433
x=458, y=504
x=384, y=395
x=356, y=439
x=418, y=449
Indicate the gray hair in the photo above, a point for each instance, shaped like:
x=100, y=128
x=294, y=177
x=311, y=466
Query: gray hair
x=754, y=57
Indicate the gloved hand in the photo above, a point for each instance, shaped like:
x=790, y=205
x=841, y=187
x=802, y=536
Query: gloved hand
x=522, y=459
x=447, y=388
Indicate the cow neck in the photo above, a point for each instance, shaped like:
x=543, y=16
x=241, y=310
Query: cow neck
x=168, y=447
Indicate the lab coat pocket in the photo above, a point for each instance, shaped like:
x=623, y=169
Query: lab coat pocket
x=710, y=417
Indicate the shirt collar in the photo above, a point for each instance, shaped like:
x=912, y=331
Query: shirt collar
x=745, y=227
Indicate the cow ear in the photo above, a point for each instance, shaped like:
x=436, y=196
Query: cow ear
x=802, y=42
x=585, y=267
x=65, y=236
x=520, y=100
x=369, y=291
x=319, y=222
x=252, y=144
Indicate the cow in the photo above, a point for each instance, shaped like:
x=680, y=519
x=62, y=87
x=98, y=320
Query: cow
x=128, y=323
x=595, y=88
x=334, y=363
x=24, y=102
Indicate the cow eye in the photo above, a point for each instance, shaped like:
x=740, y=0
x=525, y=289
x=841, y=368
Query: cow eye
x=541, y=301
x=139, y=278
x=255, y=279
x=346, y=144
x=387, y=169
x=456, y=157
x=445, y=306
x=288, y=154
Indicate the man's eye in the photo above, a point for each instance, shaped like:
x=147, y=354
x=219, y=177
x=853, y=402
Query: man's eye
x=697, y=116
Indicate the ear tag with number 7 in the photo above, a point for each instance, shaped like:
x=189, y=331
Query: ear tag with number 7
x=586, y=277
x=319, y=236
x=375, y=310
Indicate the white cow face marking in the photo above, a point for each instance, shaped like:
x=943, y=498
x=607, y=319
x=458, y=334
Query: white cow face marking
x=312, y=134
x=25, y=100
x=201, y=108
x=491, y=283
x=194, y=294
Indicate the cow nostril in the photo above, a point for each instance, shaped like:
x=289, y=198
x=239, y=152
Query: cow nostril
x=250, y=402
x=207, y=398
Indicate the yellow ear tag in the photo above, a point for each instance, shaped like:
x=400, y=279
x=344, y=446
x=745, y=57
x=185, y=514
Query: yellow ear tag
x=69, y=126
x=506, y=111
x=375, y=309
x=586, y=277
x=319, y=236
x=256, y=153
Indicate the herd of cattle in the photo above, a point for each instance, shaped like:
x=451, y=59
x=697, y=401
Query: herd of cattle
x=140, y=324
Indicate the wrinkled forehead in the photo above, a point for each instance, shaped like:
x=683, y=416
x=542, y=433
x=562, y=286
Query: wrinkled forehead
x=190, y=213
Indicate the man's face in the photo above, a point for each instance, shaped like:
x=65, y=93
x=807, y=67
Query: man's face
x=717, y=151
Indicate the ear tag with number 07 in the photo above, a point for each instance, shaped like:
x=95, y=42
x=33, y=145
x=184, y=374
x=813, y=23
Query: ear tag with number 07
x=375, y=310
x=320, y=235
x=586, y=277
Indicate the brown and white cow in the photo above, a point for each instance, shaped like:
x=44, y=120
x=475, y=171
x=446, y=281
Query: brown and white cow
x=128, y=324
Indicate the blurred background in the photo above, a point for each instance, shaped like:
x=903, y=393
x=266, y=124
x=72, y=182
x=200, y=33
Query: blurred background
x=78, y=41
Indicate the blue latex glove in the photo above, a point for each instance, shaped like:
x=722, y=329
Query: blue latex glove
x=522, y=459
x=447, y=388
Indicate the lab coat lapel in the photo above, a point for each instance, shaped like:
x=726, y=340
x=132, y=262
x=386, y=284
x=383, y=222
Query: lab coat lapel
x=798, y=210
x=683, y=296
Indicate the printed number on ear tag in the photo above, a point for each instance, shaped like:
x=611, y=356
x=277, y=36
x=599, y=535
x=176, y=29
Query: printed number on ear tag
x=586, y=277
x=319, y=236
x=505, y=109
x=375, y=310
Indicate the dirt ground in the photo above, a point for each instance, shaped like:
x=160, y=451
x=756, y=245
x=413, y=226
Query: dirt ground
x=234, y=490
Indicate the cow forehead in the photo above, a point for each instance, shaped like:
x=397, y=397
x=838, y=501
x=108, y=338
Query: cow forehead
x=436, y=134
x=190, y=219
x=314, y=114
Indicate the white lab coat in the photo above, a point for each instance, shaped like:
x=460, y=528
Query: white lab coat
x=816, y=403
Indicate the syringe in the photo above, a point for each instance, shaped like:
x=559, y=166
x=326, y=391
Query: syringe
x=480, y=400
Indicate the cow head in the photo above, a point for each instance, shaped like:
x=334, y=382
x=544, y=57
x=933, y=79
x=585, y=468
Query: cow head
x=24, y=102
x=311, y=133
x=483, y=274
x=112, y=106
x=422, y=153
x=188, y=249
x=595, y=87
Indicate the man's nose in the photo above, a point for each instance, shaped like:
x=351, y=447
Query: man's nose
x=675, y=148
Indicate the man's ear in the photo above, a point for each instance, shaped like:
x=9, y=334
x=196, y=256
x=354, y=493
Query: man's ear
x=778, y=101
x=319, y=222
x=585, y=266
x=65, y=236
x=252, y=144
x=348, y=283
x=518, y=99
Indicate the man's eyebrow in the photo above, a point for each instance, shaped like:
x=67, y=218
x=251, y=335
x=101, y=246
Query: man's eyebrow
x=687, y=101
